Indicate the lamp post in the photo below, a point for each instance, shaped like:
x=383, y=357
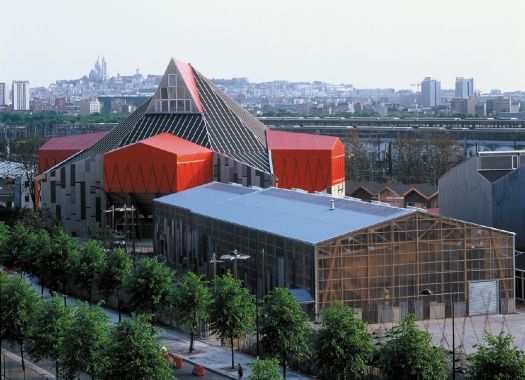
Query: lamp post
x=234, y=256
x=428, y=292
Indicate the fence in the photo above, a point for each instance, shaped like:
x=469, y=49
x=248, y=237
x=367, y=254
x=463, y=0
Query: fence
x=11, y=368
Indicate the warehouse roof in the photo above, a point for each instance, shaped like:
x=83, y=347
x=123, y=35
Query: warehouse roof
x=293, y=214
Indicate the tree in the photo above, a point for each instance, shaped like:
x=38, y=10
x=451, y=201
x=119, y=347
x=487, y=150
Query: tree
x=59, y=260
x=18, y=300
x=46, y=332
x=17, y=246
x=134, y=352
x=358, y=163
x=191, y=302
x=497, y=359
x=233, y=310
x=267, y=369
x=409, y=354
x=5, y=236
x=24, y=150
x=114, y=275
x=89, y=262
x=43, y=247
x=284, y=326
x=343, y=347
x=150, y=286
x=84, y=342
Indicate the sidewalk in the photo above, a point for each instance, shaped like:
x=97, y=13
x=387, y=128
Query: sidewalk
x=208, y=353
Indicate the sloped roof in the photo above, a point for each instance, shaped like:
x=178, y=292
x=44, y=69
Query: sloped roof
x=188, y=105
x=299, y=141
x=375, y=187
x=74, y=142
x=170, y=143
x=293, y=214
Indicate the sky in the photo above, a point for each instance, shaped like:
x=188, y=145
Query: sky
x=370, y=44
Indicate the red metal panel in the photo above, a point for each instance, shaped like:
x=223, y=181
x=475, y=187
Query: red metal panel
x=308, y=162
x=187, y=75
x=162, y=164
x=58, y=149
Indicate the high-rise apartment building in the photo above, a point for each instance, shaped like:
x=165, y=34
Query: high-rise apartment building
x=464, y=87
x=498, y=104
x=3, y=101
x=21, y=95
x=465, y=106
x=430, y=92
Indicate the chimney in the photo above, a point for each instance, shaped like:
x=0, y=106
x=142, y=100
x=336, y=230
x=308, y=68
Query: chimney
x=332, y=204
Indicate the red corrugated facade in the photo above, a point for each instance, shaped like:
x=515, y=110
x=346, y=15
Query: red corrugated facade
x=58, y=149
x=309, y=162
x=158, y=165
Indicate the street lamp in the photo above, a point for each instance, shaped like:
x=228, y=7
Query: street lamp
x=428, y=292
x=214, y=261
x=234, y=256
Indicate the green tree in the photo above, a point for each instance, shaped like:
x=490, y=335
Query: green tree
x=150, y=286
x=18, y=301
x=497, y=359
x=233, y=310
x=84, y=342
x=89, y=262
x=114, y=275
x=135, y=353
x=343, y=347
x=191, y=302
x=46, y=332
x=5, y=235
x=409, y=354
x=266, y=369
x=18, y=246
x=59, y=260
x=284, y=327
x=43, y=245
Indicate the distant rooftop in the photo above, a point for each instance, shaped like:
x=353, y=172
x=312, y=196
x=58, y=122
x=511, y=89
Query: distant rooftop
x=293, y=214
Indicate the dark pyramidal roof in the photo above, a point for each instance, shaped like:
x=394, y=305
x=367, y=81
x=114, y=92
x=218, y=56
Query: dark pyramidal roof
x=190, y=106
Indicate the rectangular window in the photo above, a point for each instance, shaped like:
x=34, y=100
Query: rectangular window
x=82, y=200
x=72, y=175
x=63, y=178
x=172, y=80
x=53, y=192
x=164, y=93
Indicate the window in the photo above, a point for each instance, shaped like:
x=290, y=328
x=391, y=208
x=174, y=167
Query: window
x=26, y=198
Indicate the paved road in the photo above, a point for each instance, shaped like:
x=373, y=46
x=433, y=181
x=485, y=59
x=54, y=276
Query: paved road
x=185, y=374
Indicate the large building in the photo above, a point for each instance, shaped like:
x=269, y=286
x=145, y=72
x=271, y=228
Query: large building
x=188, y=106
x=20, y=95
x=498, y=104
x=464, y=88
x=430, y=92
x=488, y=189
x=374, y=257
x=3, y=94
x=464, y=106
x=89, y=106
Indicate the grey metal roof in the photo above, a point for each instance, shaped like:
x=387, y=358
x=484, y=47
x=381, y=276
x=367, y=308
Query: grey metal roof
x=293, y=214
x=10, y=169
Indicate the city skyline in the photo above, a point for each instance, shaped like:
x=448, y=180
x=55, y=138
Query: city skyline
x=372, y=45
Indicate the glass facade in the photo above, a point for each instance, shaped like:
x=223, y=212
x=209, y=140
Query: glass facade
x=380, y=271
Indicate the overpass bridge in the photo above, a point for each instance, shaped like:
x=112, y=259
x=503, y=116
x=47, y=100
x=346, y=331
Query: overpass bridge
x=392, y=122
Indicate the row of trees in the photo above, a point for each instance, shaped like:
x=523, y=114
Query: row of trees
x=49, y=118
x=412, y=158
x=79, y=340
x=341, y=346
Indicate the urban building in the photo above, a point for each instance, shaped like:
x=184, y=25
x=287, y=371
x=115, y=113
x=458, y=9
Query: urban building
x=58, y=149
x=88, y=107
x=3, y=94
x=199, y=116
x=420, y=195
x=499, y=104
x=464, y=88
x=520, y=276
x=430, y=92
x=464, y=106
x=487, y=189
x=20, y=95
x=373, y=257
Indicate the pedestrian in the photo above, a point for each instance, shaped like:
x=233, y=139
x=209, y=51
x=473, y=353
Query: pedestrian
x=240, y=371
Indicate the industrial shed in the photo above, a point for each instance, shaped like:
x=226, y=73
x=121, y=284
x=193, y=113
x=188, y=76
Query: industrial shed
x=374, y=257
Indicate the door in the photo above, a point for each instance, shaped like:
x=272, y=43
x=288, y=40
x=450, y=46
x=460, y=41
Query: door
x=483, y=297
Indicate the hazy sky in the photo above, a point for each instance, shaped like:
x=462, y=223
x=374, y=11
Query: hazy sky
x=372, y=43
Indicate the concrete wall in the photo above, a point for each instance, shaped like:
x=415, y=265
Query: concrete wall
x=508, y=199
x=466, y=195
